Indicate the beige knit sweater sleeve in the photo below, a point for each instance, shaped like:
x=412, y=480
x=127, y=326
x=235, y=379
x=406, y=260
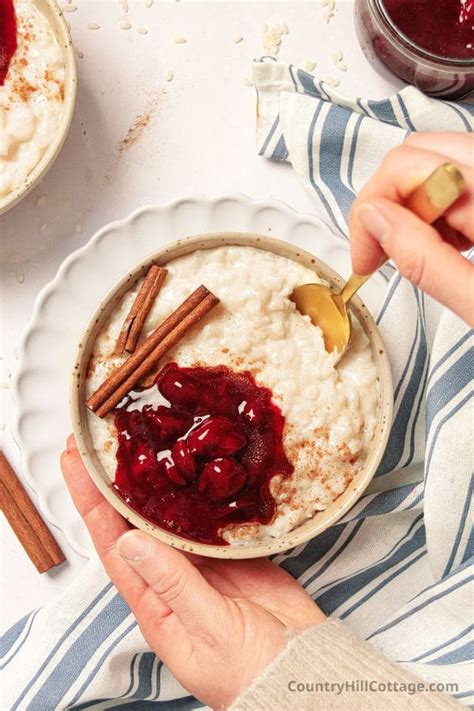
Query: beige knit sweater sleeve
x=329, y=667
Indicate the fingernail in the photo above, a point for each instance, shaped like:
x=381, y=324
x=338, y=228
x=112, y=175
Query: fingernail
x=133, y=546
x=373, y=222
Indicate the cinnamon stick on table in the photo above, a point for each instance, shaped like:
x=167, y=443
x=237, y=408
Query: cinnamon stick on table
x=153, y=348
x=141, y=307
x=25, y=520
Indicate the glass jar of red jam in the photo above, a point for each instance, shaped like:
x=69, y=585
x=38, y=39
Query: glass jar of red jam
x=428, y=43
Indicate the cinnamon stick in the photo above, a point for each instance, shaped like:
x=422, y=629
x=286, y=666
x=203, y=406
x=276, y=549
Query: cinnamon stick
x=140, y=309
x=148, y=380
x=25, y=520
x=122, y=372
x=155, y=356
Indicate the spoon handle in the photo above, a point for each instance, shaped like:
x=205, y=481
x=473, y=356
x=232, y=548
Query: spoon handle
x=428, y=201
x=438, y=192
x=354, y=283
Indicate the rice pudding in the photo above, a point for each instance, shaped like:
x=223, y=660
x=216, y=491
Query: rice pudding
x=328, y=409
x=31, y=91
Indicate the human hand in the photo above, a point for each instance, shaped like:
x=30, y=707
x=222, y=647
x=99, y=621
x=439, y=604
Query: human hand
x=428, y=255
x=215, y=623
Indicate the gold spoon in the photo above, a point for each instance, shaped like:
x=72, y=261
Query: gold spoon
x=327, y=309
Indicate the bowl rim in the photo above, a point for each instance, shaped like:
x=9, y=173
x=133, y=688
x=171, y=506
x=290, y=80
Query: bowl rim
x=54, y=15
x=318, y=522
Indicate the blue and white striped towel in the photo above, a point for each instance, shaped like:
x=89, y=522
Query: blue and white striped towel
x=397, y=567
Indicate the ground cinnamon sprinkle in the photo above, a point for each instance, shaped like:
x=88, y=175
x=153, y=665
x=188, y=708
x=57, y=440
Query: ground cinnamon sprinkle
x=49, y=77
x=20, y=87
x=135, y=131
x=23, y=89
x=91, y=367
x=345, y=454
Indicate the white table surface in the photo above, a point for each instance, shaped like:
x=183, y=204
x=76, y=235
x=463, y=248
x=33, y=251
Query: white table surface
x=200, y=138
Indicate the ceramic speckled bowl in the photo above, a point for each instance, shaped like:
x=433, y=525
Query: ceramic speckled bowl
x=321, y=520
x=53, y=14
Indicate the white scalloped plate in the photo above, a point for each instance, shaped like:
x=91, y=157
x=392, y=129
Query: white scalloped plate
x=64, y=306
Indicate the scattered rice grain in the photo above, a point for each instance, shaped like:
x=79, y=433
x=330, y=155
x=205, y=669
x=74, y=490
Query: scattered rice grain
x=271, y=38
x=248, y=81
x=93, y=26
x=79, y=54
x=169, y=76
x=238, y=38
x=148, y=3
x=180, y=40
x=330, y=6
x=142, y=30
x=40, y=202
x=337, y=58
x=309, y=65
x=125, y=25
x=332, y=81
x=69, y=8
x=19, y=275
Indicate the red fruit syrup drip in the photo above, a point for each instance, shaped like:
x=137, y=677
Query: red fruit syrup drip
x=8, y=40
x=205, y=460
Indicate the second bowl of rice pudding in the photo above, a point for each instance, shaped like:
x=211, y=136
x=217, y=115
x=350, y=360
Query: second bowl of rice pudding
x=276, y=438
x=37, y=93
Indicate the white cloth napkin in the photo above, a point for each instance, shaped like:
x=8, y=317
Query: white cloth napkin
x=397, y=567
